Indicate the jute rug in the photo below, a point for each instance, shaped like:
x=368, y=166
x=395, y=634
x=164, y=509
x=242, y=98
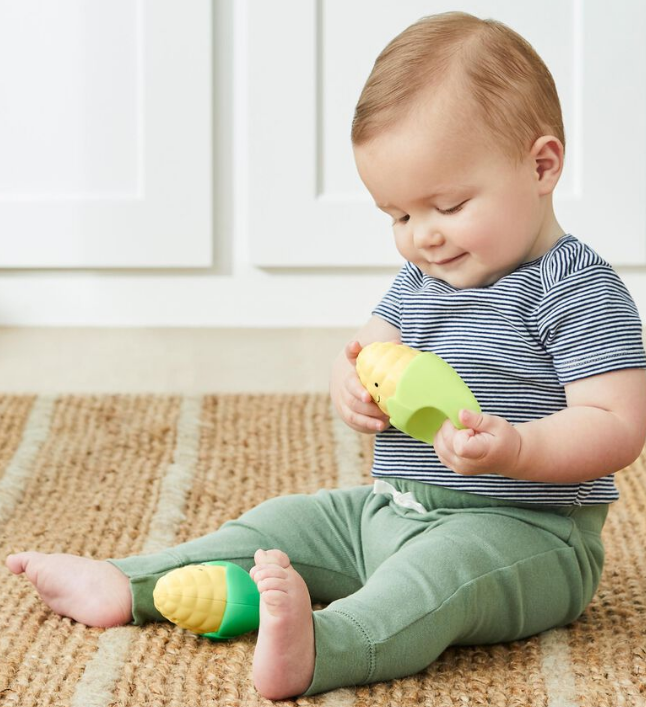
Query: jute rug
x=109, y=476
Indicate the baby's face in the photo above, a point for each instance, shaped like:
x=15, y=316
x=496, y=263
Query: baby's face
x=462, y=211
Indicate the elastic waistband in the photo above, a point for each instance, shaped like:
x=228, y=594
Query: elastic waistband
x=431, y=497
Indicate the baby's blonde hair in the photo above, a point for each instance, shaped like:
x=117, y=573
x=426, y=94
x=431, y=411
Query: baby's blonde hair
x=499, y=74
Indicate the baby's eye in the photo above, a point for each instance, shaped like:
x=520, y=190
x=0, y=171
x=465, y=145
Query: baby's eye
x=453, y=209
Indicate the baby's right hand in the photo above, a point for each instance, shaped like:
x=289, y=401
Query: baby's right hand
x=352, y=401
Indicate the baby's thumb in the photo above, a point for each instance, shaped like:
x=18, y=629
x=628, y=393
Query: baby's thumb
x=473, y=420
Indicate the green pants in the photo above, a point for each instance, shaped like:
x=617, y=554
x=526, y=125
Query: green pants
x=403, y=585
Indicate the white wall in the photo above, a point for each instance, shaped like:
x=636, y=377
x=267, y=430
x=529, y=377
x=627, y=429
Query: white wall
x=234, y=292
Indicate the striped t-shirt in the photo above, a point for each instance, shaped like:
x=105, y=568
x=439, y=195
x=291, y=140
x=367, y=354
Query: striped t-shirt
x=516, y=343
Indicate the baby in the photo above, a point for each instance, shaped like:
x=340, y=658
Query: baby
x=458, y=136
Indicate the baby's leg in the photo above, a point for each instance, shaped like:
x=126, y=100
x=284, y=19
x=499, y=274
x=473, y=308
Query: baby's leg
x=318, y=532
x=311, y=541
x=313, y=530
x=471, y=578
x=96, y=593
x=89, y=591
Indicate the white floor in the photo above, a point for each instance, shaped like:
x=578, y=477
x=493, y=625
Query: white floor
x=189, y=361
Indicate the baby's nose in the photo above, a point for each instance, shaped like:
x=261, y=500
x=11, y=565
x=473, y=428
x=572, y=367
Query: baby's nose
x=425, y=237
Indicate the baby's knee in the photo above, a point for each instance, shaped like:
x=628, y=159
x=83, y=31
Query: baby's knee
x=276, y=514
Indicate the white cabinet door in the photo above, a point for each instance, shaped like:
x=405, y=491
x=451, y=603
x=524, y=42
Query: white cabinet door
x=307, y=61
x=105, y=133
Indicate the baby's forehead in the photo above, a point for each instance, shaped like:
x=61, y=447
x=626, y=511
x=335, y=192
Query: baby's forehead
x=410, y=165
x=449, y=117
x=437, y=132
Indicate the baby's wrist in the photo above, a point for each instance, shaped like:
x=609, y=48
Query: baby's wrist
x=526, y=458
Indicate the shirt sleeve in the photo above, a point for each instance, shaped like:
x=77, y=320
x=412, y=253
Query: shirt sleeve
x=390, y=307
x=589, y=323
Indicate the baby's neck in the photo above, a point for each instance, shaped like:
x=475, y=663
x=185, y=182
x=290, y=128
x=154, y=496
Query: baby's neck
x=549, y=231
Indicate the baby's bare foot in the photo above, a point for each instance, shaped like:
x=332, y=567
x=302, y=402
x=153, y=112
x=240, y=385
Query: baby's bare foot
x=92, y=592
x=283, y=664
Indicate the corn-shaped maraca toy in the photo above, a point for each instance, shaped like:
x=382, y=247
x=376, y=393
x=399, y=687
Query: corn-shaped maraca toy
x=218, y=600
x=417, y=390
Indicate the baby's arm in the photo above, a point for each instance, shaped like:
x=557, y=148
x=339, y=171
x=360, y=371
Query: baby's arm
x=602, y=430
x=351, y=400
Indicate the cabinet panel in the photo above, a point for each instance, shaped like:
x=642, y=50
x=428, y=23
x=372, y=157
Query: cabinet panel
x=105, y=133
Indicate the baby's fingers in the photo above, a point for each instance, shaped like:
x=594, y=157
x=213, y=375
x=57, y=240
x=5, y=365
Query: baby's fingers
x=443, y=444
x=359, y=399
x=352, y=350
x=363, y=423
x=357, y=391
x=364, y=417
x=469, y=445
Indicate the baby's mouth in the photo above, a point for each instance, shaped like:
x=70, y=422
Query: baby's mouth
x=449, y=261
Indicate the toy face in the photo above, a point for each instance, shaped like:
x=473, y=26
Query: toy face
x=379, y=389
x=380, y=365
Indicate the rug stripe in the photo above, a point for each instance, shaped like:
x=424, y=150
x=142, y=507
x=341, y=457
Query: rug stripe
x=347, y=452
x=556, y=667
x=178, y=480
x=342, y=697
x=96, y=686
x=19, y=470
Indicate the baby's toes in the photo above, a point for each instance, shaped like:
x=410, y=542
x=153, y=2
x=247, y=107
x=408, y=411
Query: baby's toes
x=262, y=572
x=271, y=557
x=276, y=601
x=272, y=584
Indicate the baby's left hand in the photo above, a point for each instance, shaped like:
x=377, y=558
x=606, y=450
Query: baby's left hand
x=489, y=444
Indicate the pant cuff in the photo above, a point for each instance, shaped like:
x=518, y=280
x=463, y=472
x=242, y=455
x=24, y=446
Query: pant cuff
x=143, y=571
x=345, y=652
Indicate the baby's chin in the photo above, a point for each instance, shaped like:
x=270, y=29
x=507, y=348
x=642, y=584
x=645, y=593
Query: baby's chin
x=468, y=277
x=460, y=276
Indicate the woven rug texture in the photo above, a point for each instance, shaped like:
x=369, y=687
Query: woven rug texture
x=111, y=476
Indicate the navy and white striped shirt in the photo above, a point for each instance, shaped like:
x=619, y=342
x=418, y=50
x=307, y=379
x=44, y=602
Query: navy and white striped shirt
x=516, y=343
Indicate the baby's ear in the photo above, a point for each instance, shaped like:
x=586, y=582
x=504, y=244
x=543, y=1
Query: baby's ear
x=547, y=153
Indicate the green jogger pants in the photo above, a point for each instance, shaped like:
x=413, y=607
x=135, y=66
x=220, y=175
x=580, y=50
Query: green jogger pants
x=403, y=585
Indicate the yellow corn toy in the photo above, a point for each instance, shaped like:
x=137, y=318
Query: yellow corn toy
x=417, y=390
x=218, y=600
